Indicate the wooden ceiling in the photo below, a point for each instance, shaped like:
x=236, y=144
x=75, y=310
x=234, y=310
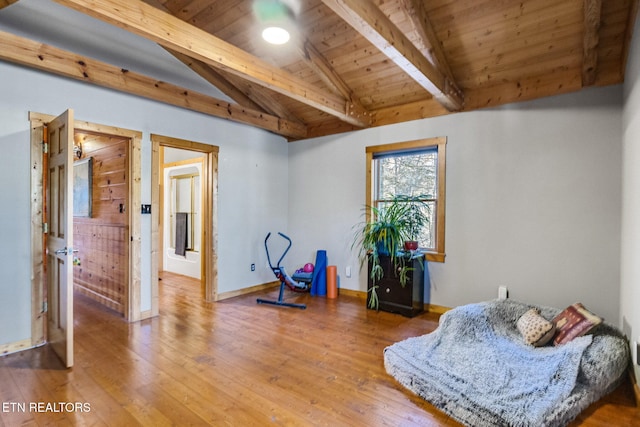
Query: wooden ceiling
x=354, y=64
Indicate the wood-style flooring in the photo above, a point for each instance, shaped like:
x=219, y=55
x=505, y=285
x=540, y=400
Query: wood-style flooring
x=234, y=363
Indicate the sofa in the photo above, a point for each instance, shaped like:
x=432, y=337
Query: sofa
x=479, y=367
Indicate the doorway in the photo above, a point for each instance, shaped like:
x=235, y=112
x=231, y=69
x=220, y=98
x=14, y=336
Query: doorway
x=161, y=224
x=181, y=212
x=131, y=287
x=100, y=218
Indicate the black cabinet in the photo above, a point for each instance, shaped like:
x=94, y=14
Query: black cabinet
x=407, y=300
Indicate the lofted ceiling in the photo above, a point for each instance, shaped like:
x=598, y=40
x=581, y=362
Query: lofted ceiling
x=354, y=64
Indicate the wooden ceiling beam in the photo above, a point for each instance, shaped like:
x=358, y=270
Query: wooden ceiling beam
x=172, y=33
x=208, y=73
x=215, y=78
x=405, y=112
x=261, y=96
x=416, y=13
x=241, y=91
x=67, y=64
x=592, y=9
x=319, y=64
x=367, y=19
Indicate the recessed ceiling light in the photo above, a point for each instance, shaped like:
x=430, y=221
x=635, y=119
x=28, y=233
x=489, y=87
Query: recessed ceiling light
x=275, y=35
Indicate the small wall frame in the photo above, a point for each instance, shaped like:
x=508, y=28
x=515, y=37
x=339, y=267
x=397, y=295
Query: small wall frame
x=82, y=185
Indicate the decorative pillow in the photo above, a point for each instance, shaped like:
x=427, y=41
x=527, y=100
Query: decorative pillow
x=535, y=329
x=574, y=321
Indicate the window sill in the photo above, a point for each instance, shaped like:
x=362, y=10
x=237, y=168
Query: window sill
x=434, y=256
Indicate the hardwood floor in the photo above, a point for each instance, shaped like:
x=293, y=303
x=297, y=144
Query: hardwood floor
x=234, y=363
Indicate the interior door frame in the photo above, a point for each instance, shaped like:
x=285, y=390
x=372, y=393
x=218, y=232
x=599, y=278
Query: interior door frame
x=209, y=269
x=38, y=295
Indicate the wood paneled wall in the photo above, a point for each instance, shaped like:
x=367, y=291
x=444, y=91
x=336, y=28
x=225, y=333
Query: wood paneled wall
x=102, y=268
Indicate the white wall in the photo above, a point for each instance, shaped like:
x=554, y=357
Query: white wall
x=630, y=265
x=252, y=196
x=15, y=240
x=533, y=200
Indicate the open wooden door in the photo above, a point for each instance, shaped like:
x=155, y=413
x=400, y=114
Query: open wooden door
x=59, y=246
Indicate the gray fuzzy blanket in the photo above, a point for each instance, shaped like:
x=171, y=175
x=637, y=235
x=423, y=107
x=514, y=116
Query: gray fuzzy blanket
x=477, y=368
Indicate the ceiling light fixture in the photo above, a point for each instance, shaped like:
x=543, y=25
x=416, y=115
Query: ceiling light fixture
x=276, y=35
x=276, y=19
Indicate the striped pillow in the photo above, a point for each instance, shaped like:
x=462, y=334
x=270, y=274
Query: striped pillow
x=574, y=321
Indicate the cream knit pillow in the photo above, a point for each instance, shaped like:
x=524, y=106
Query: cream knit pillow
x=535, y=329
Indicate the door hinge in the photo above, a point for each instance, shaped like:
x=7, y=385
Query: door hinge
x=45, y=228
x=45, y=307
x=45, y=147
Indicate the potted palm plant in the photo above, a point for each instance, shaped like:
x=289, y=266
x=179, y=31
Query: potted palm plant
x=389, y=226
x=381, y=235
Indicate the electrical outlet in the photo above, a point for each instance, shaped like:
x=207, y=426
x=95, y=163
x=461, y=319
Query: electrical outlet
x=503, y=293
x=253, y=267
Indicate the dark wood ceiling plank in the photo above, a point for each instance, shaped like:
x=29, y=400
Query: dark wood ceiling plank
x=170, y=32
x=51, y=59
x=497, y=40
x=548, y=66
x=518, y=64
x=469, y=18
x=5, y=3
x=628, y=35
x=591, y=39
x=563, y=81
x=373, y=24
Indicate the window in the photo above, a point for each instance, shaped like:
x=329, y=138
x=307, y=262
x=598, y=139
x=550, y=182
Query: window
x=416, y=169
x=185, y=198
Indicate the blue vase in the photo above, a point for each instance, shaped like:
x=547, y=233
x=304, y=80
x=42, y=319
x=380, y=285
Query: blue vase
x=382, y=248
